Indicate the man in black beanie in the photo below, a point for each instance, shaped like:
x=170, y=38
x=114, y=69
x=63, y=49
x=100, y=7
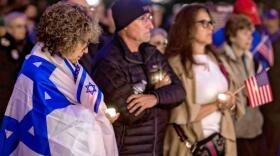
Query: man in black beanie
x=136, y=80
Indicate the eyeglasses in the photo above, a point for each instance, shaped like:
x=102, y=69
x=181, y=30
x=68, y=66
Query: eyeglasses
x=19, y=26
x=160, y=43
x=206, y=23
x=145, y=18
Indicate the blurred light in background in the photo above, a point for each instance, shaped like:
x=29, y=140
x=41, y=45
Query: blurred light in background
x=93, y=2
x=161, y=1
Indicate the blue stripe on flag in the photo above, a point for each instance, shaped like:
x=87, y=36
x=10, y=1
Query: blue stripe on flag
x=8, y=145
x=98, y=101
x=70, y=67
x=81, y=84
x=37, y=117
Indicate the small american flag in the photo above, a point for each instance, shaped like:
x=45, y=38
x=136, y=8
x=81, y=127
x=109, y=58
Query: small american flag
x=259, y=90
x=266, y=50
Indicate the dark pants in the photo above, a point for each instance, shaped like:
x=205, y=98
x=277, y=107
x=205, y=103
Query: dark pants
x=253, y=147
x=266, y=144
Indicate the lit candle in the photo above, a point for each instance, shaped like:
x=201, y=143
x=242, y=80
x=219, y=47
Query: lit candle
x=222, y=97
x=157, y=76
x=111, y=111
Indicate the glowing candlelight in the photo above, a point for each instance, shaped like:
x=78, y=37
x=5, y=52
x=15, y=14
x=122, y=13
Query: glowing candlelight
x=111, y=111
x=157, y=75
x=222, y=97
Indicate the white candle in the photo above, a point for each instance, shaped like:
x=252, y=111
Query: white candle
x=111, y=111
x=222, y=97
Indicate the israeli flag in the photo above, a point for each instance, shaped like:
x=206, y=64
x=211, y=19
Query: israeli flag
x=49, y=113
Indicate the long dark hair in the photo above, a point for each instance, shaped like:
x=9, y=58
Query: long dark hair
x=181, y=35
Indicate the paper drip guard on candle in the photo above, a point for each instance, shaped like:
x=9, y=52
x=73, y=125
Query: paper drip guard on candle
x=157, y=74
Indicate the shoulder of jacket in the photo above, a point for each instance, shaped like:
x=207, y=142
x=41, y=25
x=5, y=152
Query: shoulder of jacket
x=176, y=64
x=175, y=60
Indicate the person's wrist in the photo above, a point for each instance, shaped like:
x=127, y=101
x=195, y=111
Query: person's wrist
x=221, y=106
x=156, y=96
x=156, y=99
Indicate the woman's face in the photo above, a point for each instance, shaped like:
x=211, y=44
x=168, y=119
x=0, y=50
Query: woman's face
x=159, y=41
x=242, y=39
x=203, y=28
x=78, y=52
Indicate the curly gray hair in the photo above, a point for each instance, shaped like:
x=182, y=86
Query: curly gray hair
x=64, y=25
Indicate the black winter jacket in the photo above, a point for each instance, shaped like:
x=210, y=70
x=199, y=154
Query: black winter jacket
x=116, y=70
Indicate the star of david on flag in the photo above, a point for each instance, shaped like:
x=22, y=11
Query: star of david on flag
x=90, y=88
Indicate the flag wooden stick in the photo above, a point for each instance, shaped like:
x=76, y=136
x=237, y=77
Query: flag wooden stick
x=243, y=86
x=239, y=89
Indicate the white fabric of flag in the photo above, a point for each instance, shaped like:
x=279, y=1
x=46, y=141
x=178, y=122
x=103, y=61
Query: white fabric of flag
x=49, y=113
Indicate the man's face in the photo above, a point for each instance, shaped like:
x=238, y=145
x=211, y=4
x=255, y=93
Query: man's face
x=139, y=29
x=272, y=25
x=17, y=28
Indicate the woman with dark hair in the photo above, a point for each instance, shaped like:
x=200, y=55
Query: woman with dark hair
x=55, y=107
x=203, y=118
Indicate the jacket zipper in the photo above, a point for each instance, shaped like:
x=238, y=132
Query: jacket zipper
x=155, y=142
x=122, y=137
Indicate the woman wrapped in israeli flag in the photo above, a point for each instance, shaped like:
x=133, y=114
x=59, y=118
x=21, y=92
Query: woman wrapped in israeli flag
x=56, y=108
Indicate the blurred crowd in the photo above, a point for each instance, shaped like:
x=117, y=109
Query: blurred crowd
x=239, y=31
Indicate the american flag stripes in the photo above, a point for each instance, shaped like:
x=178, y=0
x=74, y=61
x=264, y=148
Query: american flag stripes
x=259, y=90
x=266, y=50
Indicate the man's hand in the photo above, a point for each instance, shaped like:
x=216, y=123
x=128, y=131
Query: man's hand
x=166, y=81
x=137, y=103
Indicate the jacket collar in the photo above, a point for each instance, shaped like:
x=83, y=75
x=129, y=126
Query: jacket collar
x=230, y=53
x=146, y=50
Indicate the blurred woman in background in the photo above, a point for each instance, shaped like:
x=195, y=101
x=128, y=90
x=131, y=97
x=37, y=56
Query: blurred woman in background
x=239, y=62
x=159, y=39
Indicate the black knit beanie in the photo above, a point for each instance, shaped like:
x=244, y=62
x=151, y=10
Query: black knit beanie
x=126, y=11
